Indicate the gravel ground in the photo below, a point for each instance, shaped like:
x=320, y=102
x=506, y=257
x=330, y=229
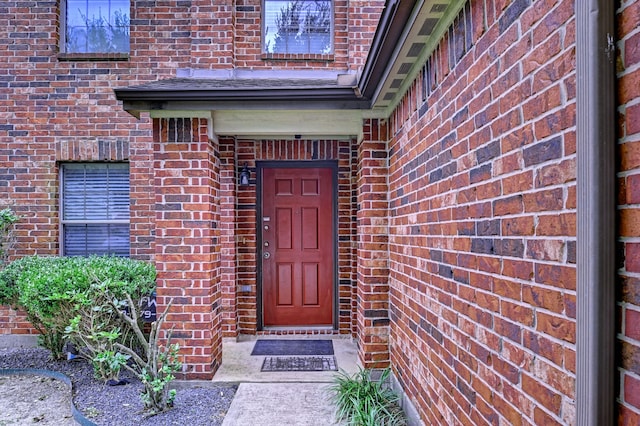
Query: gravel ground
x=120, y=405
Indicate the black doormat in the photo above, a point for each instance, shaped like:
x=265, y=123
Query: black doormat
x=293, y=347
x=299, y=363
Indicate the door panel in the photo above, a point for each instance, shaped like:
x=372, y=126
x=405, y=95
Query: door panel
x=298, y=246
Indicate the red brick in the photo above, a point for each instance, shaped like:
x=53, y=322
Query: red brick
x=542, y=418
x=632, y=257
x=628, y=19
x=563, y=224
x=555, y=174
x=629, y=86
x=631, y=391
x=630, y=188
x=517, y=226
x=627, y=416
x=555, y=326
x=543, y=200
x=511, y=205
x=556, y=275
x=632, y=324
x=629, y=222
x=508, y=289
x=543, y=298
x=542, y=102
x=630, y=156
x=520, y=313
x=545, y=396
x=510, y=413
x=543, y=346
x=632, y=118
x=517, y=138
x=546, y=249
x=571, y=200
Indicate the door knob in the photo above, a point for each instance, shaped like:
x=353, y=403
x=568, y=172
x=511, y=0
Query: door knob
x=266, y=255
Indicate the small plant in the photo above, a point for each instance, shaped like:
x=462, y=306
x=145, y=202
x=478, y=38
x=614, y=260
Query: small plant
x=157, y=384
x=362, y=401
x=7, y=219
x=107, y=365
x=155, y=365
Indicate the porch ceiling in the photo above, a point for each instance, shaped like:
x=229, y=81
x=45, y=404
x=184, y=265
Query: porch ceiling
x=276, y=124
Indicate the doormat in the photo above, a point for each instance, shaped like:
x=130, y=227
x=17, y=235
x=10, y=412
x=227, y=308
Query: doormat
x=292, y=347
x=299, y=363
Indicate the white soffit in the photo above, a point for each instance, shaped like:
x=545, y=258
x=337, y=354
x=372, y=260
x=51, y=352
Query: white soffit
x=430, y=20
x=283, y=123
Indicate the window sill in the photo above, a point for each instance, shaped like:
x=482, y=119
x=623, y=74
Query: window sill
x=93, y=57
x=298, y=57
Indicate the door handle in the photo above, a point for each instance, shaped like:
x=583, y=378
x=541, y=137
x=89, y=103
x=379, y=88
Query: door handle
x=266, y=255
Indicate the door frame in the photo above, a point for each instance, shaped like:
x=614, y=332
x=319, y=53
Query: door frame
x=313, y=164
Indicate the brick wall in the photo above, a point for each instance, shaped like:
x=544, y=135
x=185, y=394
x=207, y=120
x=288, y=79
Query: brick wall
x=629, y=210
x=364, y=16
x=482, y=220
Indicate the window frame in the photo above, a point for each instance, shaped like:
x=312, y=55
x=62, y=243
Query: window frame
x=64, y=53
x=263, y=29
x=64, y=222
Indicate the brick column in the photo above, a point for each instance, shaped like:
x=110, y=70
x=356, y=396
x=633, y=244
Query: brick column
x=228, y=180
x=187, y=240
x=373, y=251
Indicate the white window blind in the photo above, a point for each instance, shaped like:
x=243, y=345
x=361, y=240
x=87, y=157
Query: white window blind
x=298, y=26
x=95, y=209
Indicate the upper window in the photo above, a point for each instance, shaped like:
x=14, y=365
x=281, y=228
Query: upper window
x=299, y=26
x=96, y=26
x=95, y=209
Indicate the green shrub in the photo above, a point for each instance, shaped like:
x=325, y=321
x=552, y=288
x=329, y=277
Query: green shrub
x=362, y=401
x=9, y=278
x=55, y=290
x=7, y=219
x=93, y=303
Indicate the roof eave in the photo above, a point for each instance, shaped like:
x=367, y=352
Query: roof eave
x=390, y=28
x=135, y=100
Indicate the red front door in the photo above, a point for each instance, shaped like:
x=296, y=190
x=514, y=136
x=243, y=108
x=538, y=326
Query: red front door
x=297, y=246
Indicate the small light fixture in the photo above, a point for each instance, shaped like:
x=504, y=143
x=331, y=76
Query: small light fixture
x=245, y=175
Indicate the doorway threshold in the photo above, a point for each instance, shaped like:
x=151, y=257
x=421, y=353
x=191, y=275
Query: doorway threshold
x=299, y=332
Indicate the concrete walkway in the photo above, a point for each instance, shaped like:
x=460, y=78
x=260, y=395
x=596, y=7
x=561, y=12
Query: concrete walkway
x=280, y=398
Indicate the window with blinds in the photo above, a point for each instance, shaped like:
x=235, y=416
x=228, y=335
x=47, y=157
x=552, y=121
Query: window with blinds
x=298, y=26
x=95, y=209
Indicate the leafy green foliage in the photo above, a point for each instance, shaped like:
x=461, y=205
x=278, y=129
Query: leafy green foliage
x=157, y=393
x=107, y=364
x=362, y=401
x=7, y=219
x=55, y=290
x=8, y=278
